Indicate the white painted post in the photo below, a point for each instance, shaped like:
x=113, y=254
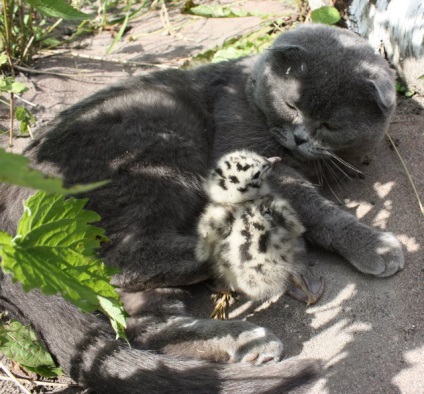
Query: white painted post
x=395, y=25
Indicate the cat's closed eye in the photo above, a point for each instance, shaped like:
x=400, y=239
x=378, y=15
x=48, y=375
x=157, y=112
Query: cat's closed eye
x=330, y=126
x=292, y=107
x=292, y=112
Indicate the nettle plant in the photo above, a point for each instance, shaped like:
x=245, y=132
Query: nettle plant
x=54, y=250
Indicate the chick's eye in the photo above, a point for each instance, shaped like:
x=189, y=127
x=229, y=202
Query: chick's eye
x=256, y=176
x=266, y=211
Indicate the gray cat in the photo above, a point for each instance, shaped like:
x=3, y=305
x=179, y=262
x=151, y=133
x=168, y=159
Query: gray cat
x=319, y=93
x=252, y=239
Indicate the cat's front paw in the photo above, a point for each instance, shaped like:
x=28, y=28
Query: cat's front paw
x=380, y=254
x=257, y=346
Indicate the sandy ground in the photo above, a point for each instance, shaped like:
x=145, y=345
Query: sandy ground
x=368, y=332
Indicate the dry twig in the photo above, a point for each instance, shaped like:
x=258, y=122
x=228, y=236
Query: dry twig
x=13, y=378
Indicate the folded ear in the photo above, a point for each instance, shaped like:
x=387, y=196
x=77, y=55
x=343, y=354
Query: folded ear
x=288, y=59
x=384, y=91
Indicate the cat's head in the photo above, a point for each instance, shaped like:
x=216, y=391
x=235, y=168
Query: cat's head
x=240, y=176
x=323, y=91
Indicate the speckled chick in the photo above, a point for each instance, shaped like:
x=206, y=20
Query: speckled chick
x=251, y=238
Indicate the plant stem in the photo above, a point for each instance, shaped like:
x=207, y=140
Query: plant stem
x=25, y=101
x=126, y=62
x=7, y=35
x=56, y=24
x=28, y=45
x=12, y=115
x=23, y=32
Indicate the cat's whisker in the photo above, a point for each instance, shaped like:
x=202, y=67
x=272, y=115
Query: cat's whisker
x=325, y=180
x=329, y=183
x=345, y=163
x=339, y=168
x=265, y=149
x=337, y=178
x=318, y=170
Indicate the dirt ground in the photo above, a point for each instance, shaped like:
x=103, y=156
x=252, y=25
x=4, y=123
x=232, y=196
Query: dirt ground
x=368, y=332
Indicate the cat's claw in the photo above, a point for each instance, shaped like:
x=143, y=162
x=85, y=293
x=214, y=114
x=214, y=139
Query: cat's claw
x=305, y=289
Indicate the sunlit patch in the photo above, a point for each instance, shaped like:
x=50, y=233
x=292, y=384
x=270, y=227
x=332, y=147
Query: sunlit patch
x=240, y=310
x=324, y=314
x=266, y=304
x=362, y=207
x=192, y=323
x=259, y=331
x=414, y=369
x=383, y=189
x=410, y=243
x=383, y=216
x=340, y=335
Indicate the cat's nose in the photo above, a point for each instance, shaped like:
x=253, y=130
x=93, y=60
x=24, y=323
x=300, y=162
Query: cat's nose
x=299, y=140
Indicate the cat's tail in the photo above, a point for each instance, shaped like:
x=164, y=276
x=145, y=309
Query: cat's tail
x=85, y=347
x=129, y=371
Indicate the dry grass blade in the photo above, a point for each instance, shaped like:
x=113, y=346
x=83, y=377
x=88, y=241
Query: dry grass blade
x=407, y=173
x=13, y=378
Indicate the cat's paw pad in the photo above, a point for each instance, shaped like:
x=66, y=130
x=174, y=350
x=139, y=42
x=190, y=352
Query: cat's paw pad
x=383, y=257
x=257, y=346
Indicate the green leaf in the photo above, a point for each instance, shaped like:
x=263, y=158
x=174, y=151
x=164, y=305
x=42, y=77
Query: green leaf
x=54, y=250
x=45, y=370
x=248, y=44
x=58, y=9
x=18, y=87
x=14, y=170
x=327, y=15
x=117, y=317
x=400, y=88
x=5, y=84
x=403, y=89
x=216, y=11
x=5, y=238
x=24, y=116
x=3, y=59
x=50, y=42
x=21, y=344
x=229, y=53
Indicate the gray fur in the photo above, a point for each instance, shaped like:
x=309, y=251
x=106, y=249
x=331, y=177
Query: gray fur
x=156, y=137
